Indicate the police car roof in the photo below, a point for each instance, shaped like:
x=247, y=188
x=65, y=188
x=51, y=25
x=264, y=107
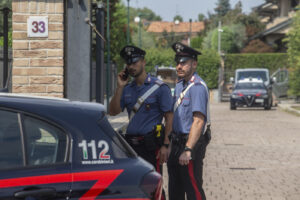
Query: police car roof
x=52, y=108
x=252, y=69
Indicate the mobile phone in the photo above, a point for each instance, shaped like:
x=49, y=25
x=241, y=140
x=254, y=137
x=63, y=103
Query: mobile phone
x=126, y=74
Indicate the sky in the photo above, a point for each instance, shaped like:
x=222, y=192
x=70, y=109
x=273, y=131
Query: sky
x=188, y=9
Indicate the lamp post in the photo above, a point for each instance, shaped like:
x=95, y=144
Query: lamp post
x=128, y=22
x=190, y=33
x=137, y=19
x=220, y=30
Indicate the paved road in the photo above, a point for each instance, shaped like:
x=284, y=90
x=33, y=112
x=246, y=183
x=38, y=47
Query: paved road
x=254, y=154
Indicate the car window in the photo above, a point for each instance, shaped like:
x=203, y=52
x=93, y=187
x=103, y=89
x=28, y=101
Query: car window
x=253, y=74
x=46, y=144
x=119, y=147
x=10, y=140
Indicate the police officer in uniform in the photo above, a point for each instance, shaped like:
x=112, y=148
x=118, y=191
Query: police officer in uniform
x=150, y=113
x=188, y=143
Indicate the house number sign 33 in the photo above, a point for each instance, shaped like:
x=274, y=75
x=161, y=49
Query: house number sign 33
x=37, y=26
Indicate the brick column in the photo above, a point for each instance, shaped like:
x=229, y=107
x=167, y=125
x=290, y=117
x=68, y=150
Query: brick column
x=38, y=62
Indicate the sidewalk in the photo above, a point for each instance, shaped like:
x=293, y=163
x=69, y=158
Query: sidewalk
x=119, y=122
x=288, y=106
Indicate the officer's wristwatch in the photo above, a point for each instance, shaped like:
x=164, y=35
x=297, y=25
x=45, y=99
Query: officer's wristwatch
x=188, y=149
x=166, y=145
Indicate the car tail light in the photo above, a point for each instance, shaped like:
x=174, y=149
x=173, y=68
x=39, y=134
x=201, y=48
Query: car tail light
x=258, y=94
x=152, y=185
x=240, y=94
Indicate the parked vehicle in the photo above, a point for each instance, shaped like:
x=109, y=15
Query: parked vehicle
x=254, y=73
x=251, y=93
x=168, y=75
x=58, y=149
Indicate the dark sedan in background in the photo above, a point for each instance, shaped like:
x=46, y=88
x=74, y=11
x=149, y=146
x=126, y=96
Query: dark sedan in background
x=252, y=93
x=59, y=149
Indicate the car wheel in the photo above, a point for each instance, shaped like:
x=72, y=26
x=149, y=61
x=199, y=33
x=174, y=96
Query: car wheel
x=232, y=107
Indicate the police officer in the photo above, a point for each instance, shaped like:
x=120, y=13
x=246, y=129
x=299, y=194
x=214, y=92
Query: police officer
x=188, y=143
x=150, y=113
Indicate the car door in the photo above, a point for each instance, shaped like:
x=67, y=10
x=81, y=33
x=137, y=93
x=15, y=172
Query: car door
x=33, y=158
x=280, y=86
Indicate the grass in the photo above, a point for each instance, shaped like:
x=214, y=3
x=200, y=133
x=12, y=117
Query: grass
x=296, y=107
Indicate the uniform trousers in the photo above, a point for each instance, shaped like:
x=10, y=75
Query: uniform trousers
x=186, y=179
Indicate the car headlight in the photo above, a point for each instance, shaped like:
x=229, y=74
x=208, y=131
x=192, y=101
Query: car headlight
x=264, y=96
x=234, y=96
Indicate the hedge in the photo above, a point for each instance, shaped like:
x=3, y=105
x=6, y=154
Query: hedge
x=271, y=61
x=208, y=63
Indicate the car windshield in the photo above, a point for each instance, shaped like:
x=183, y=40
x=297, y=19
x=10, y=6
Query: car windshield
x=253, y=74
x=250, y=86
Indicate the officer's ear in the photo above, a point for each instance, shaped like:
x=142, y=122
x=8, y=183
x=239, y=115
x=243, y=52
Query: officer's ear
x=194, y=64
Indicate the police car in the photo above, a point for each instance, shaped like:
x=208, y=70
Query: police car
x=58, y=149
x=251, y=92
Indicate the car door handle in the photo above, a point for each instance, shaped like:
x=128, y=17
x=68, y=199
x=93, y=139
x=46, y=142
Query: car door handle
x=37, y=192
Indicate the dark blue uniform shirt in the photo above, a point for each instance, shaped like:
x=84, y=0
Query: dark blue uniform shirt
x=195, y=100
x=152, y=110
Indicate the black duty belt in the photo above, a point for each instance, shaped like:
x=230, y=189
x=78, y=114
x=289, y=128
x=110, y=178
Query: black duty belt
x=137, y=139
x=179, y=138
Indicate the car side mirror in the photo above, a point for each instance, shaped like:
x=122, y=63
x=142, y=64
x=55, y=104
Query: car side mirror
x=273, y=80
x=231, y=79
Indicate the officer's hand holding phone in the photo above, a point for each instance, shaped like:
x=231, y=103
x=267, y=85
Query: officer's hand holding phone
x=123, y=77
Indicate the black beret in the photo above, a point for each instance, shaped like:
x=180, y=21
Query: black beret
x=184, y=52
x=132, y=54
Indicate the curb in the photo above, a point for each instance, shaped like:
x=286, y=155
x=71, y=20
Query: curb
x=289, y=108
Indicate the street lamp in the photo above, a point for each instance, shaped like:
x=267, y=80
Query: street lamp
x=220, y=30
x=137, y=19
x=190, y=33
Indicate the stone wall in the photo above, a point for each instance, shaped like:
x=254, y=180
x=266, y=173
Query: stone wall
x=38, y=63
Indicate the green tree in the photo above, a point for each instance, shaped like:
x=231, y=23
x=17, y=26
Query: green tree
x=118, y=25
x=4, y=4
x=223, y=6
x=232, y=39
x=147, y=14
x=293, y=41
x=201, y=17
x=178, y=17
x=196, y=42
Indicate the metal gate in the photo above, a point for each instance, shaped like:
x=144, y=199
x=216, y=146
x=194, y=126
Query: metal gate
x=5, y=52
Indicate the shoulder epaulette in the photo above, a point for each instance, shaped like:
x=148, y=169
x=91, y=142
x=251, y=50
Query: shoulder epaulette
x=159, y=82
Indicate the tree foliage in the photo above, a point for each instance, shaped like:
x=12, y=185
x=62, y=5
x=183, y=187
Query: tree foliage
x=293, y=40
x=178, y=17
x=232, y=39
x=146, y=14
x=208, y=63
x=201, y=17
x=223, y=6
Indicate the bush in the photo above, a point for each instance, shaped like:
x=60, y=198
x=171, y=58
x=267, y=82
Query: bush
x=271, y=61
x=208, y=63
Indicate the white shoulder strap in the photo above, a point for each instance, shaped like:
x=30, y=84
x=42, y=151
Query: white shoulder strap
x=141, y=99
x=182, y=94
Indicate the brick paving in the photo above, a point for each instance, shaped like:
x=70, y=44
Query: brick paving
x=254, y=154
